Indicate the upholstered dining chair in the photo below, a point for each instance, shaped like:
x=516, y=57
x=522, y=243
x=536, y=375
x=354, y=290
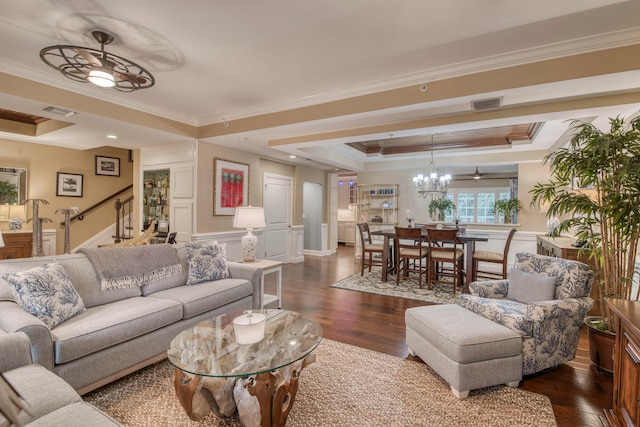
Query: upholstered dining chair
x=444, y=247
x=410, y=253
x=369, y=249
x=492, y=257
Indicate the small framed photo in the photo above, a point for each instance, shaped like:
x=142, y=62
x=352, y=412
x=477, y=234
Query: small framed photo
x=107, y=166
x=69, y=184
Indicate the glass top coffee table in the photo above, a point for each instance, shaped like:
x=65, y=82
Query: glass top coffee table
x=259, y=381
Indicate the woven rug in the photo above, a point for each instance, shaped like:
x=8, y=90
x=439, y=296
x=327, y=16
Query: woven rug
x=407, y=288
x=346, y=386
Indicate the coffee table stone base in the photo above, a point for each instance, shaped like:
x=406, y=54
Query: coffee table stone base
x=261, y=400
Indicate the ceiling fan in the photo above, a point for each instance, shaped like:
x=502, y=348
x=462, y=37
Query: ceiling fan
x=104, y=69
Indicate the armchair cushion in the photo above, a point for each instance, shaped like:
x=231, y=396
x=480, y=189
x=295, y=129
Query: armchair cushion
x=528, y=287
x=574, y=277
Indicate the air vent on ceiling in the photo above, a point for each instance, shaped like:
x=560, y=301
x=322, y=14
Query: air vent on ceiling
x=60, y=111
x=487, y=104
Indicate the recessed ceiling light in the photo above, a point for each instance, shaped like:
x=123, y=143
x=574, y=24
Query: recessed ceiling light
x=112, y=136
x=292, y=156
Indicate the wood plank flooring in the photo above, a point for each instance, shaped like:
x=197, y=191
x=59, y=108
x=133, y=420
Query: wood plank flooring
x=577, y=391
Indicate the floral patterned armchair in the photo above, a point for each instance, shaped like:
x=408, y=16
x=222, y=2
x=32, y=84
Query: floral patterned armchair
x=550, y=329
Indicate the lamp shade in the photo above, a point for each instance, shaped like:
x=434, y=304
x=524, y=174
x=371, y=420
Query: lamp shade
x=249, y=217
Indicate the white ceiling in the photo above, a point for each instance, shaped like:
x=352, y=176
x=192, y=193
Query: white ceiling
x=221, y=61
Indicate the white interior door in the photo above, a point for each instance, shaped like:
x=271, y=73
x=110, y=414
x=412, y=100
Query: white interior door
x=277, y=199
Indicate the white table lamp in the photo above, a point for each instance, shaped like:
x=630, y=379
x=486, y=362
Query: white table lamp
x=249, y=217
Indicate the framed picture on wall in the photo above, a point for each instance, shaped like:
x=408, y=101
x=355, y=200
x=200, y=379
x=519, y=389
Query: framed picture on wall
x=230, y=186
x=69, y=184
x=107, y=166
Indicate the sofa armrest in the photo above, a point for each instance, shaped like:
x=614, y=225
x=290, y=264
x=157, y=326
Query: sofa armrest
x=14, y=319
x=251, y=273
x=16, y=351
x=496, y=289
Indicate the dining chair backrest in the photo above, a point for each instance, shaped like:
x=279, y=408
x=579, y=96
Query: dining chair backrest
x=365, y=233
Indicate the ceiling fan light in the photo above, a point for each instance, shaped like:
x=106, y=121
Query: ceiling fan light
x=101, y=77
x=477, y=175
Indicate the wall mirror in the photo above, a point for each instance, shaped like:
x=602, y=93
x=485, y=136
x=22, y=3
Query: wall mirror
x=13, y=185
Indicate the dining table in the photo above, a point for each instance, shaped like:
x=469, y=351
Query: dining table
x=468, y=239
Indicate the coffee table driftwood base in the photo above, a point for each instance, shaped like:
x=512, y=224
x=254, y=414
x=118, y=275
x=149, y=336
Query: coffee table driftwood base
x=261, y=400
x=214, y=373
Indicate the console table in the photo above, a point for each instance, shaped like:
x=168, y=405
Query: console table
x=626, y=370
x=17, y=244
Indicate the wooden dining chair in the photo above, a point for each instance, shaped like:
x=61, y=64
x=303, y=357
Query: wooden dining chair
x=410, y=253
x=445, y=248
x=370, y=250
x=492, y=257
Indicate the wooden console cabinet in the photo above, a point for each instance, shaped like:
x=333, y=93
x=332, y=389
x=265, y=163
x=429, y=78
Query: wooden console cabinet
x=16, y=245
x=626, y=370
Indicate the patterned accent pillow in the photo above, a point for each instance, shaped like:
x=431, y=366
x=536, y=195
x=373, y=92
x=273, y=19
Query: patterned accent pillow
x=528, y=287
x=46, y=292
x=206, y=262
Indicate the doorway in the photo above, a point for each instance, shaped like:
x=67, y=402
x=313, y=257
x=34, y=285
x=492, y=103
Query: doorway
x=312, y=215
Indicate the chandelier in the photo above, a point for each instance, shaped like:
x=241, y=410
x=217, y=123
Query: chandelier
x=432, y=184
x=104, y=69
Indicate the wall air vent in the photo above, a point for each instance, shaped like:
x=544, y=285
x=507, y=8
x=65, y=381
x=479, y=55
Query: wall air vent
x=487, y=104
x=60, y=111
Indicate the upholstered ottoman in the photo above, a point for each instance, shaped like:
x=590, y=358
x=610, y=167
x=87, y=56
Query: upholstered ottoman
x=465, y=349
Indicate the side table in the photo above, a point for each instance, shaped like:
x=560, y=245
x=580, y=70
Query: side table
x=270, y=266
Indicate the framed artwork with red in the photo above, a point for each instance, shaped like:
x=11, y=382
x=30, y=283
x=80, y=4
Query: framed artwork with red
x=230, y=186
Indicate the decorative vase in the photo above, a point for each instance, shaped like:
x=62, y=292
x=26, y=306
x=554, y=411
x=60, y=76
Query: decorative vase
x=601, y=344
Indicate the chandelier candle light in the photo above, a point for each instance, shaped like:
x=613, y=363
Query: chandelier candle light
x=433, y=183
x=249, y=217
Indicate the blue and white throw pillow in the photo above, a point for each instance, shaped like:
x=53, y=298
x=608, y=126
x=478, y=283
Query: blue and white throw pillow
x=46, y=292
x=206, y=262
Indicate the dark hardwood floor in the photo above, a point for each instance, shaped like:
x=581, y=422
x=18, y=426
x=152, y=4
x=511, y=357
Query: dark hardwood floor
x=577, y=391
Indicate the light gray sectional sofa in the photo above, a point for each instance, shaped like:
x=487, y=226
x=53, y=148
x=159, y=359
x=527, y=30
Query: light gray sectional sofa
x=121, y=330
x=51, y=402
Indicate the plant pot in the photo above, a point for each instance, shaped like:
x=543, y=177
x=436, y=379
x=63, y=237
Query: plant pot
x=601, y=345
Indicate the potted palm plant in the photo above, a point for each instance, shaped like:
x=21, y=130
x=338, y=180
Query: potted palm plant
x=509, y=208
x=440, y=207
x=595, y=187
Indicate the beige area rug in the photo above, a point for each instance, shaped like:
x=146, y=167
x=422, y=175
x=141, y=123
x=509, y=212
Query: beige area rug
x=407, y=288
x=346, y=386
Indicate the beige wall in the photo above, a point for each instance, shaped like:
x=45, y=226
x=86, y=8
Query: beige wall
x=43, y=162
x=257, y=167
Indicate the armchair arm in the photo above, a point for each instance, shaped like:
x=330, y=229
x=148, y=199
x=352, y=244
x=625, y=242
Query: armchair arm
x=249, y=272
x=16, y=351
x=15, y=319
x=496, y=289
x=562, y=308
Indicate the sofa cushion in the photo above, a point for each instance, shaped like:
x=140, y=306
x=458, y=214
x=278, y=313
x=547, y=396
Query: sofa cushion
x=106, y=325
x=528, y=287
x=206, y=296
x=46, y=292
x=206, y=262
x=171, y=281
x=44, y=391
x=80, y=272
x=82, y=414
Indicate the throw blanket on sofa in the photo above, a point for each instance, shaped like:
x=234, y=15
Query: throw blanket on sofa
x=126, y=267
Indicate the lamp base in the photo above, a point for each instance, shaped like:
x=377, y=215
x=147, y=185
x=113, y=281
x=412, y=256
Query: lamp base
x=249, y=247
